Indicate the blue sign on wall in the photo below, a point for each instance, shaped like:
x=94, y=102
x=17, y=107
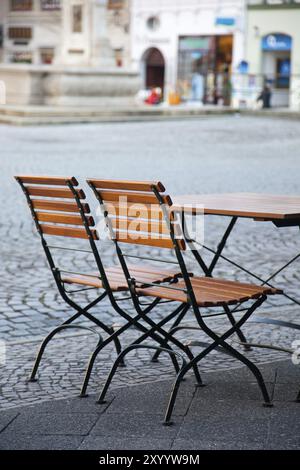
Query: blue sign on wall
x=243, y=66
x=277, y=42
x=225, y=21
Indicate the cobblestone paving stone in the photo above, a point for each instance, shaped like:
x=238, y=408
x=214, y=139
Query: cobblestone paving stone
x=207, y=155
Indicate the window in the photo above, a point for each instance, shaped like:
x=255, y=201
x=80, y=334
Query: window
x=19, y=33
x=115, y=4
x=119, y=57
x=77, y=18
x=50, y=4
x=21, y=5
x=21, y=58
x=153, y=23
x=47, y=55
x=283, y=72
x=1, y=35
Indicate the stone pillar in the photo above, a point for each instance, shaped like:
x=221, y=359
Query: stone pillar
x=101, y=52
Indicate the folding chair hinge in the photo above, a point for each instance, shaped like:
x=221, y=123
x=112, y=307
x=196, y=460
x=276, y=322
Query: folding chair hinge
x=132, y=284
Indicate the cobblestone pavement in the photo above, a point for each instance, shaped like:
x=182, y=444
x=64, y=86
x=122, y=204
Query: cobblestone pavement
x=207, y=155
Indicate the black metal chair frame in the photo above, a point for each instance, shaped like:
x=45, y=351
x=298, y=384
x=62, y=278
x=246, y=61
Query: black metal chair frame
x=80, y=311
x=108, y=291
x=217, y=340
x=154, y=331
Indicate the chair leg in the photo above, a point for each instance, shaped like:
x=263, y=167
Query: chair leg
x=168, y=337
x=40, y=353
x=173, y=396
x=239, y=332
x=254, y=369
x=179, y=378
x=101, y=399
x=91, y=362
x=133, y=346
x=108, y=330
x=220, y=341
x=45, y=342
x=89, y=370
x=120, y=358
x=176, y=323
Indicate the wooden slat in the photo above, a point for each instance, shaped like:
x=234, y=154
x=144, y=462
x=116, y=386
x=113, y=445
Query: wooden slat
x=126, y=185
x=67, y=231
x=116, y=277
x=141, y=276
x=203, y=298
x=58, y=206
x=143, y=211
x=234, y=286
x=54, y=192
x=82, y=279
x=63, y=218
x=158, y=273
x=92, y=281
x=210, y=292
x=138, y=225
x=162, y=242
x=127, y=196
x=50, y=180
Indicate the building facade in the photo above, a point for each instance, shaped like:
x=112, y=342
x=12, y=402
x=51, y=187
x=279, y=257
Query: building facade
x=59, y=52
x=191, y=46
x=273, y=49
x=31, y=31
x=70, y=32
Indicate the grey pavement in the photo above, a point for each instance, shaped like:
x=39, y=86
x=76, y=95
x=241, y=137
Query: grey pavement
x=226, y=414
x=212, y=154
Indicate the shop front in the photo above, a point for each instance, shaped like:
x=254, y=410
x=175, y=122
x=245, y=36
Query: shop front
x=273, y=48
x=188, y=49
x=204, y=68
x=276, y=66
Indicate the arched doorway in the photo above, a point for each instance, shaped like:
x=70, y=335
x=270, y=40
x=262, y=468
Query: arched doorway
x=154, y=68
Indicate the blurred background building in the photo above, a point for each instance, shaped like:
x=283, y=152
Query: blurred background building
x=64, y=31
x=217, y=52
x=60, y=52
x=175, y=42
x=273, y=48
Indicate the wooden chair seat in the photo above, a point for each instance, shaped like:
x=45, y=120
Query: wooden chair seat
x=117, y=278
x=210, y=292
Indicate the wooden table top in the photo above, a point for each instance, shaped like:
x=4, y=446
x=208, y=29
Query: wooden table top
x=251, y=205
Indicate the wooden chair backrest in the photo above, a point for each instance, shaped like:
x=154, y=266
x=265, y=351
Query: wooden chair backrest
x=54, y=206
x=134, y=212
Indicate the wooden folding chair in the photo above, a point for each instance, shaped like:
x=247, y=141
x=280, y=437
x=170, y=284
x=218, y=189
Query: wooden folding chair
x=59, y=209
x=147, y=219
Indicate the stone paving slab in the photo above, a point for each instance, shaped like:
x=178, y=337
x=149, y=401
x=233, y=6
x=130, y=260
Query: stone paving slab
x=206, y=422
